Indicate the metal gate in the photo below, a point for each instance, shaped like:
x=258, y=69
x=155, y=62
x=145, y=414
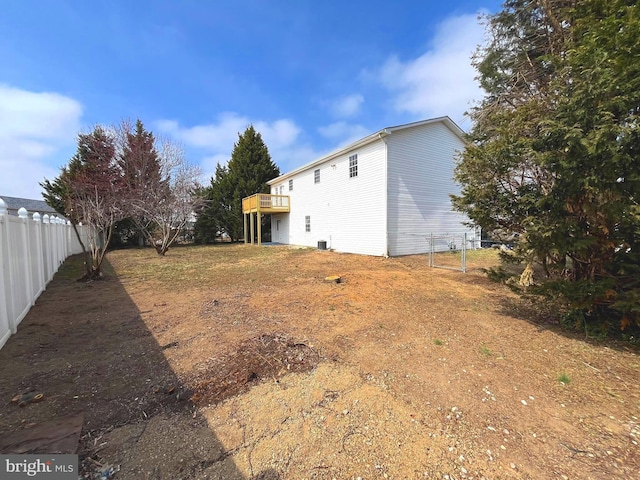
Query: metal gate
x=448, y=251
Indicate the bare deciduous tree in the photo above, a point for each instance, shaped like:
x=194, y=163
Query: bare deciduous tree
x=160, y=185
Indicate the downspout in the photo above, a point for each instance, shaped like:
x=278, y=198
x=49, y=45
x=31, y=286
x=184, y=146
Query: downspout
x=382, y=135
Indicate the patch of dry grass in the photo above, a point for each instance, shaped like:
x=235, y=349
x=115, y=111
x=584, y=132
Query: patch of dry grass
x=184, y=266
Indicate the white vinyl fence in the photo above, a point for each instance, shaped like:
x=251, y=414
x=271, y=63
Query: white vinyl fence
x=31, y=250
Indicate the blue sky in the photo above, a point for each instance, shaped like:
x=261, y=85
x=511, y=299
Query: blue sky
x=310, y=76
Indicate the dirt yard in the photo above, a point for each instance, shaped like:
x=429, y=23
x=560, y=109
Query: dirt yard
x=234, y=362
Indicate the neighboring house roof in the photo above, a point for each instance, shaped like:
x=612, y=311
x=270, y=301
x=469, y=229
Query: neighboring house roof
x=14, y=204
x=368, y=139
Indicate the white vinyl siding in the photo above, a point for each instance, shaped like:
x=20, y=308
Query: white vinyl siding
x=348, y=213
x=383, y=195
x=421, y=161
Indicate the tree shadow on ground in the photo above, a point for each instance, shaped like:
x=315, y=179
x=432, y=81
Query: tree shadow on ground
x=86, y=348
x=545, y=317
x=541, y=313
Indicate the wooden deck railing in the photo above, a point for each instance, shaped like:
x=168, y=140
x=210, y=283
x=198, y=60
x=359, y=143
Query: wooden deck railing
x=265, y=203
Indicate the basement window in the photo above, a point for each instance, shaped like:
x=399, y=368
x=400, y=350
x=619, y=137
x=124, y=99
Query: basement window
x=291, y=184
x=316, y=176
x=353, y=166
x=307, y=223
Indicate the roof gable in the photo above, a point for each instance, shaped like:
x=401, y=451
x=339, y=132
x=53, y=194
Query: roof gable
x=369, y=139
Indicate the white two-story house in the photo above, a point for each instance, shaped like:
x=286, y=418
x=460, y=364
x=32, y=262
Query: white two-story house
x=382, y=195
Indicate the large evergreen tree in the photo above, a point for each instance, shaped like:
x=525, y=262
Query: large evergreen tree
x=249, y=169
x=57, y=194
x=552, y=165
x=89, y=191
x=139, y=162
x=141, y=175
x=214, y=214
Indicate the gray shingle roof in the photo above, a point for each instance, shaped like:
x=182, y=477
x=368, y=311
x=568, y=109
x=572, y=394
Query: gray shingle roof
x=32, y=206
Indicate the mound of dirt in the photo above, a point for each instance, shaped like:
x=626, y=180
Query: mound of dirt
x=266, y=357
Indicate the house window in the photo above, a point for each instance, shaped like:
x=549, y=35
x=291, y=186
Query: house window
x=291, y=184
x=353, y=166
x=307, y=223
x=316, y=176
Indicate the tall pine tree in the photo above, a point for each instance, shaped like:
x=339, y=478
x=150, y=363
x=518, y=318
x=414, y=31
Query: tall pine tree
x=214, y=213
x=552, y=165
x=247, y=173
x=143, y=185
x=139, y=161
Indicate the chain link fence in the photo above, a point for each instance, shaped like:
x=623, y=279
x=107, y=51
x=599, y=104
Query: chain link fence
x=450, y=250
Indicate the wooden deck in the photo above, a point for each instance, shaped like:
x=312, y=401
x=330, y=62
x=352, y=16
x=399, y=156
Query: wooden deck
x=260, y=204
x=265, y=203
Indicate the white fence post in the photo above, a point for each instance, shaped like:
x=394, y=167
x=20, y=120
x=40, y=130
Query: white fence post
x=26, y=253
x=9, y=279
x=5, y=326
x=61, y=240
x=55, y=243
x=22, y=293
x=46, y=239
x=62, y=247
x=38, y=256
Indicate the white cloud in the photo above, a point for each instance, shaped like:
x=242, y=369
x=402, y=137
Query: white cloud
x=346, y=106
x=343, y=133
x=34, y=126
x=279, y=134
x=222, y=135
x=209, y=136
x=441, y=80
x=215, y=141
